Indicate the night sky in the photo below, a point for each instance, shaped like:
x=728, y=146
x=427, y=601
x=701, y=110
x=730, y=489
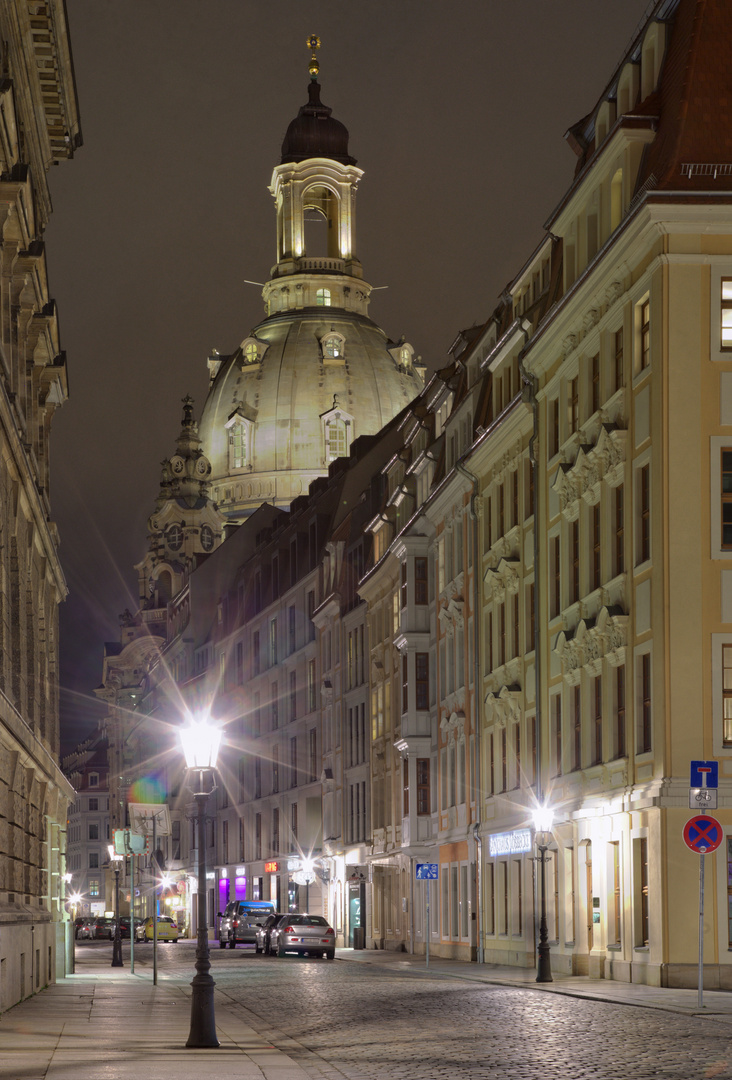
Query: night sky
x=457, y=115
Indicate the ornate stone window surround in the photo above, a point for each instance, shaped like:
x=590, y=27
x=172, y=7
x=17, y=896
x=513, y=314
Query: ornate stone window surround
x=582, y=479
x=592, y=642
x=240, y=429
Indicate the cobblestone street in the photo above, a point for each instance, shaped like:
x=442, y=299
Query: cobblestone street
x=378, y=1021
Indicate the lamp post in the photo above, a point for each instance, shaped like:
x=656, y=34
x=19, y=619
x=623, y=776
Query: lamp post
x=117, y=947
x=543, y=820
x=200, y=744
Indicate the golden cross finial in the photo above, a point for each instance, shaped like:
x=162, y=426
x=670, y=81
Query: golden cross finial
x=313, y=43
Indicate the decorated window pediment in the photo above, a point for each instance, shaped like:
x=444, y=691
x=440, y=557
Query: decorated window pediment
x=452, y=726
x=502, y=579
x=591, y=642
x=451, y=614
x=594, y=464
x=504, y=706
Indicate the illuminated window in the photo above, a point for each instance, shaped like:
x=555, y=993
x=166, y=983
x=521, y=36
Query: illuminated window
x=322, y=298
x=251, y=352
x=337, y=441
x=333, y=346
x=238, y=443
x=727, y=695
x=726, y=313
x=93, y=887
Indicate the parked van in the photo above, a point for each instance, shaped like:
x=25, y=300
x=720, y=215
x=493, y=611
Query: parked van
x=240, y=921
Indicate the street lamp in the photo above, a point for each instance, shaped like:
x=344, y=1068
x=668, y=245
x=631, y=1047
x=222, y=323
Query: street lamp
x=543, y=820
x=200, y=743
x=117, y=947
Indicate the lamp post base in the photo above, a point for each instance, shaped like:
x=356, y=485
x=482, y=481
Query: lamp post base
x=203, y=1022
x=544, y=965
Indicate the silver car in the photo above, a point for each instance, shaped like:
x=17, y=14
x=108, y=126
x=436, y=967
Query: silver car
x=303, y=934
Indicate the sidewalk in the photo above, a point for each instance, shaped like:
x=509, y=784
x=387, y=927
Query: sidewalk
x=717, y=1004
x=106, y=1024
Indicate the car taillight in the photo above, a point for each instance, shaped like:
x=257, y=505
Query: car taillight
x=289, y=930
x=330, y=932
x=236, y=922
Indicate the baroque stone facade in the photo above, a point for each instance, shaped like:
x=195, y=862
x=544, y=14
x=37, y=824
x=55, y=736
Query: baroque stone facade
x=40, y=127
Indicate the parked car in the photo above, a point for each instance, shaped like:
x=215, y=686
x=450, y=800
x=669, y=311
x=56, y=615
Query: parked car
x=167, y=929
x=102, y=927
x=124, y=926
x=83, y=928
x=263, y=932
x=240, y=921
x=303, y=934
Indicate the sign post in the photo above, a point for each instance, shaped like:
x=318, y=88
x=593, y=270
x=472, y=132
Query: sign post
x=427, y=872
x=703, y=834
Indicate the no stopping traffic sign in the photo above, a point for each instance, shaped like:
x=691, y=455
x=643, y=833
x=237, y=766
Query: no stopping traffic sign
x=703, y=834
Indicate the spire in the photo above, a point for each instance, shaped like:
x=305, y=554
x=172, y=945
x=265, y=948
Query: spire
x=313, y=43
x=314, y=133
x=185, y=475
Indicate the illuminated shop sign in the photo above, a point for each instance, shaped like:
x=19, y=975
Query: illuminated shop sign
x=271, y=867
x=510, y=843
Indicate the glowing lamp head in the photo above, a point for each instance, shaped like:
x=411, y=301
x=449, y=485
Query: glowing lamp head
x=75, y=899
x=543, y=819
x=200, y=742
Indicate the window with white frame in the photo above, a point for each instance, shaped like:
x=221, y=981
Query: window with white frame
x=642, y=320
x=250, y=351
x=720, y=310
x=333, y=346
x=642, y=476
x=644, y=701
x=239, y=433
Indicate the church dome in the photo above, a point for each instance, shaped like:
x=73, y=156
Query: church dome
x=314, y=133
x=316, y=373
x=293, y=397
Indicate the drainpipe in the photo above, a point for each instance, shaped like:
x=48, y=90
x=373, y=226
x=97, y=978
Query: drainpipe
x=477, y=711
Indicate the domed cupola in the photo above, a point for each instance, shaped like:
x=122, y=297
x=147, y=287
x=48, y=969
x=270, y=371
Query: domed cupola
x=316, y=373
x=185, y=524
x=315, y=133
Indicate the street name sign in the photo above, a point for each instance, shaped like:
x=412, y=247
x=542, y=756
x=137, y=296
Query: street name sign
x=427, y=871
x=703, y=834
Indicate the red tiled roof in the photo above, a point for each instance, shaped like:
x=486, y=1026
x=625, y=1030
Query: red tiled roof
x=695, y=94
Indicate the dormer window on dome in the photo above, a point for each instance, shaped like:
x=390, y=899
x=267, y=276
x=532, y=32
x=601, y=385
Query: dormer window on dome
x=240, y=442
x=252, y=350
x=333, y=346
x=337, y=432
x=403, y=354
